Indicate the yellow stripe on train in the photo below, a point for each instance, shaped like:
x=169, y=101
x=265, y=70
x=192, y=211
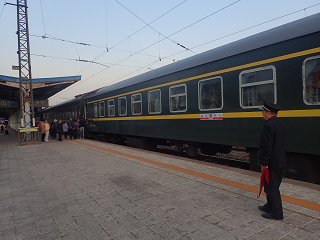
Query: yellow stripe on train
x=287, y=113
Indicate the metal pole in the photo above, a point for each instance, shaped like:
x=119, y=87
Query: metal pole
x=25, y=79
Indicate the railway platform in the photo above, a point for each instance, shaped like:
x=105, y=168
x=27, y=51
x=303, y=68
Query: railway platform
x=84, y=189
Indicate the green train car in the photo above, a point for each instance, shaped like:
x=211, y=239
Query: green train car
x=210, y=101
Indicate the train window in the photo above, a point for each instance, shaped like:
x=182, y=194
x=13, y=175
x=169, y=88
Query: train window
x=210, y=94
x=178, y=98
x=154, y=101
x=311, y=81
x=76, y=112
x=122, y=106
x=72, y=113
x=257, y=85
x=101, y=109
x=111, y=111
x=95, y=109
x=136, y=104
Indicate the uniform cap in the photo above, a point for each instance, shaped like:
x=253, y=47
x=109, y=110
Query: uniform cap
x=270, y=107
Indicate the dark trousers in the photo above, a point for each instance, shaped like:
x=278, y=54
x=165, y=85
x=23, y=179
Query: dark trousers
x=65, y=135
x=43, y=135
x=53, y=133
x=274, y=204
x=70, y=133
x=60, y=135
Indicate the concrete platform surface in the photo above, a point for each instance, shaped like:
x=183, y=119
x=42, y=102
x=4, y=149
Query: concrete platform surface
x=85, y=189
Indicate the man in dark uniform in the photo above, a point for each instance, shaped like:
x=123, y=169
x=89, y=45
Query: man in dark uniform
x=272, y=156
x=71, y=128
x=60, y=129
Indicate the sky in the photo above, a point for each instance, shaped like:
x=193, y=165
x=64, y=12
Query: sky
x=107, y=41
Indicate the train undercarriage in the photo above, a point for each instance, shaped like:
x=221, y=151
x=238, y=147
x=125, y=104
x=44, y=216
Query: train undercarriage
x=303, y=167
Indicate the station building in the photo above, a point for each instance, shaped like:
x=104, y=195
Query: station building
x=43, y=89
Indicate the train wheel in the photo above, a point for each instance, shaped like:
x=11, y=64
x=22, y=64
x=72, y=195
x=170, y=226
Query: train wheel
x=209, y=149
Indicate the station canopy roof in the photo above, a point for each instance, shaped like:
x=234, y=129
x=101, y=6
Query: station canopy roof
x=43, y=88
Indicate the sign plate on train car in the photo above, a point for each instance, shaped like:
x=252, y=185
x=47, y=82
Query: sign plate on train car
x=211, y=116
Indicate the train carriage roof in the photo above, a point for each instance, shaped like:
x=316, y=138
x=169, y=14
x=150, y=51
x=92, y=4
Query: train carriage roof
x=298, y=28
x=72, y=101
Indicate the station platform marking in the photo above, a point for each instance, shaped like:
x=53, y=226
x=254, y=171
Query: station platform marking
x=285, y=198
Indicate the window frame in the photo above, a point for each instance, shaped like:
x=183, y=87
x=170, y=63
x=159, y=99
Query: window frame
x=119, y=106
x=149, y=101
x=132, y=104
x=304, y=81
x=95, y=110
x=274, y=81
x=186, y=94
x=199, y=98
x=104, y=109
x=109, y=106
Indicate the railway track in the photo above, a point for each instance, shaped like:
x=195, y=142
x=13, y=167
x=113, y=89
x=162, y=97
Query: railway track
x=238, y=157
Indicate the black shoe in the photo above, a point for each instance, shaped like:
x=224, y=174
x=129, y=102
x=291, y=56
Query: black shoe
x=263, y=209
x=268, y=216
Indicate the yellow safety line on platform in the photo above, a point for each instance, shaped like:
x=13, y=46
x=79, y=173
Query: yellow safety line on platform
x=285, y=198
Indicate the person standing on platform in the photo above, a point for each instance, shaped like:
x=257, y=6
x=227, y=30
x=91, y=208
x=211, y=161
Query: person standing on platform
x=71, y=128
x=272, y=156
x=65, y=130
x=60, y=129
x=2, y=128
x=77, y=129
x=82, y=124
x=47, y=130
x=54, y=128
x=42, y=127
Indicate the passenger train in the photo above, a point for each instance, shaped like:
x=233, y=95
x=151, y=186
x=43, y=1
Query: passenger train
x=210, y=101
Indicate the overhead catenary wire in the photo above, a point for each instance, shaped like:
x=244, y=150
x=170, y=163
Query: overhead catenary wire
x=167, y=37
x=48, y=36
x=76, y=51
x=143, y=54
x=150, y=64
x=64, y=40
x=87, y=61
x=148, y=25
x=108, y=49
x=245, y=29
x=106, y=24
x=248, y=28
x=44, y=27
x=78, y=83
x=4, y=4
x=85, y=44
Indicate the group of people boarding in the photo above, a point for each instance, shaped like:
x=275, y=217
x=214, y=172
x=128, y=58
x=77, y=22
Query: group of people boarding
x=73, y=128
